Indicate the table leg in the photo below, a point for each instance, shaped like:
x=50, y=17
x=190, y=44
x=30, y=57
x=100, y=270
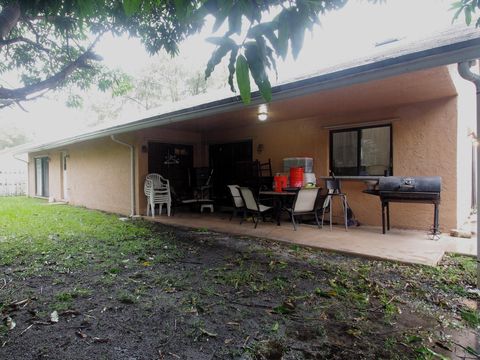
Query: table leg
x=435, y=220
x=388, y=216
x=278, y=210
x=383, y=217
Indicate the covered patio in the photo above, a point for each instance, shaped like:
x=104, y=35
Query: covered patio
x=405, y=246
x=417, y=108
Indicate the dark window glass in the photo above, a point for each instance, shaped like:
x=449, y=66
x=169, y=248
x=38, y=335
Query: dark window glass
x=41, y=176
x=361, y=151
x=344, y=152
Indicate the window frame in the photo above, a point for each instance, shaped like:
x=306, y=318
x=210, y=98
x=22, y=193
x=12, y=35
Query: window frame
x=358, y=130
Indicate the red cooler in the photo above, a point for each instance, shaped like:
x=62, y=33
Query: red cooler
x=296, y=177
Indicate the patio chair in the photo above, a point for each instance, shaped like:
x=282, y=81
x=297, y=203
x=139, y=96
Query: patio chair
x=305, y=203
x=157, y=191
x=252, y=206
x=237, y=201
x=159, y=182
x=333, y=188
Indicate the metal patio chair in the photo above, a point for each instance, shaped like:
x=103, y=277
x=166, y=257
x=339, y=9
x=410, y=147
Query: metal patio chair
x=253, y=206
x=237, y=201
x=305, y=203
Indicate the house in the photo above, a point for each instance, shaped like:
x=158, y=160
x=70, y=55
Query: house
x=406, y=107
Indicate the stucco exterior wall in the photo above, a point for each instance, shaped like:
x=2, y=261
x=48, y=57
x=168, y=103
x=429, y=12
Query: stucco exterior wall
x=98, y=175
x=424, y=143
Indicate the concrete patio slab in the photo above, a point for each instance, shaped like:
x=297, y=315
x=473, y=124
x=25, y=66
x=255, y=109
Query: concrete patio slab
x=460, y=246
x=406, y=246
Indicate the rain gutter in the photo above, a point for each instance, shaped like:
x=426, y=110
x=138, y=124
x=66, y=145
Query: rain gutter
x=466, y=73
x=132, y=173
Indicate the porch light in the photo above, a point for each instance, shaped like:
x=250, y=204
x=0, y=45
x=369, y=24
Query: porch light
x=262, y=112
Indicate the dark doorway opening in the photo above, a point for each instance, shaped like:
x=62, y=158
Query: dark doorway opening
x=174, y=162
x=224, y=160
x=41, y=176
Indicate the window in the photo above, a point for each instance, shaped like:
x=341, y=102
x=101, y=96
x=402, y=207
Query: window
x=41, y=176
x=361, y=151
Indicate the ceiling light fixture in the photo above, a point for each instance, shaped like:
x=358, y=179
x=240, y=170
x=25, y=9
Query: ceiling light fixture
x=262, y=112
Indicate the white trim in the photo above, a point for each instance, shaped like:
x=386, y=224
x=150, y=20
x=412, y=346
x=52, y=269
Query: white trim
x=42, y=156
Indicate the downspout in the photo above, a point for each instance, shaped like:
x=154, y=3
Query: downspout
x=466, y=73
x=132, y=172
x=26, y=162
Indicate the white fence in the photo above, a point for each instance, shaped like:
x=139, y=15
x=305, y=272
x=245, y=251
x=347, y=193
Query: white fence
x=13, y=182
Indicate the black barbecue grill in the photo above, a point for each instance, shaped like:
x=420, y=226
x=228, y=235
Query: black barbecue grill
x=417, y=189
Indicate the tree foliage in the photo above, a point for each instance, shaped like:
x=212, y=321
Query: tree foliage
x=468, y=8
x=51, y=43
x=12, y=137
x=164, y=80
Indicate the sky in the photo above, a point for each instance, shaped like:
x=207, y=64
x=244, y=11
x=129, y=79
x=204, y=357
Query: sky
x=349, y=33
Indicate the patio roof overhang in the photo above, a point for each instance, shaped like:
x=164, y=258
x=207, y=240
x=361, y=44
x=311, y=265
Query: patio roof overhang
x=394, y=65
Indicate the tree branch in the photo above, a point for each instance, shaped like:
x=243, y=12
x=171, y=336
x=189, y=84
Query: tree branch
x=22, y=93
x=24, y=40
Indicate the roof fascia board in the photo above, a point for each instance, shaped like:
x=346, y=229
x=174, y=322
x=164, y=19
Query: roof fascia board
x=440, y=56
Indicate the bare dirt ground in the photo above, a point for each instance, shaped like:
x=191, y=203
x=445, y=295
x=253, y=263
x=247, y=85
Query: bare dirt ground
x=203, y=295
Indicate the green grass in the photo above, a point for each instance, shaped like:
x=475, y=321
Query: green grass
x=37, y=236
x=37, y=239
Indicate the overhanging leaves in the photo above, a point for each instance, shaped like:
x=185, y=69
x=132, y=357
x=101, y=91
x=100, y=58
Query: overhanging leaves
x=257, y=64
x=50, y=36
x=225, y=45
x=243, y=79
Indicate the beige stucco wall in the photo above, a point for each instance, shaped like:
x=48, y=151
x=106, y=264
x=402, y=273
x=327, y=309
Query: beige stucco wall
x=424, y=142
x=98, y=175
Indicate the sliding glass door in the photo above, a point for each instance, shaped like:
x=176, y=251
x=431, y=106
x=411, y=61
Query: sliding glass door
x=41, y=176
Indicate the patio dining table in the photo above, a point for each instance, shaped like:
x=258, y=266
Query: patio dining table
x=280, y=198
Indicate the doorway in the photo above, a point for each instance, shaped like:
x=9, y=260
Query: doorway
x=41, y=176
x=175, y=163
x=224, y=160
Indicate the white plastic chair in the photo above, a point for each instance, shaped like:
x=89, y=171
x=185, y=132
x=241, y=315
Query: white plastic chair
x=157, y=191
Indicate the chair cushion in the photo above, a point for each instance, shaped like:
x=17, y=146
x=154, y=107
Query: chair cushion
x=264, y=207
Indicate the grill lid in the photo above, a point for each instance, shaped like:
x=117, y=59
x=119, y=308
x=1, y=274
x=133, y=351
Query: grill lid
x=431, y=184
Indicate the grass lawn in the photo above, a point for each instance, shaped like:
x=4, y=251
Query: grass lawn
x=81, y=284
